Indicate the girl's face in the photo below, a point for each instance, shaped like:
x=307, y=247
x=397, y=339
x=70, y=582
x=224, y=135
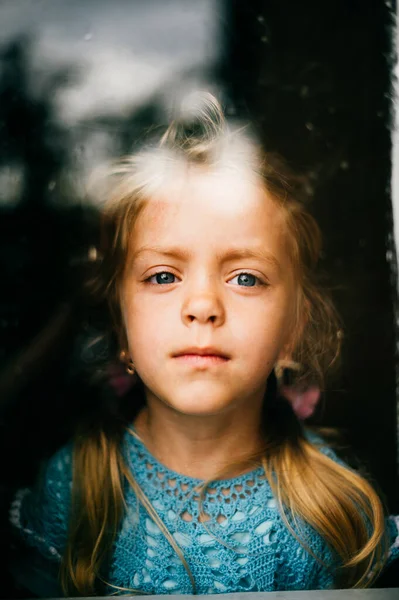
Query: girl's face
x=209, y=297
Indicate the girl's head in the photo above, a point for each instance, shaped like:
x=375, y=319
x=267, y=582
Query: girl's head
x=206, y=251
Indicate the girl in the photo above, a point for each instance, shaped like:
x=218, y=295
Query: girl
x=202, y=479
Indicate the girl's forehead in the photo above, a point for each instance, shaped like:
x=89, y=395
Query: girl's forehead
x=229, y=196
x=211, y=211
x=221, y=186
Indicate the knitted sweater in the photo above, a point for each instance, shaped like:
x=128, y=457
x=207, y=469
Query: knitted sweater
x=243, y=546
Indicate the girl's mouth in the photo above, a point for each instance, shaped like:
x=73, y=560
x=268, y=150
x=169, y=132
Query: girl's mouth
x=202, y=357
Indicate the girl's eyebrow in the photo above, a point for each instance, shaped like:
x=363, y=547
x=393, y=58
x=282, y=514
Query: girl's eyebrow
x=258, y=254
x=228, y=256
x=169, y=252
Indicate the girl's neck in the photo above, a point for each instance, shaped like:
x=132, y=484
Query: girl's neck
x=201, y=447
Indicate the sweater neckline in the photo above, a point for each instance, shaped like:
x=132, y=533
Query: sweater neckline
x=149, y=461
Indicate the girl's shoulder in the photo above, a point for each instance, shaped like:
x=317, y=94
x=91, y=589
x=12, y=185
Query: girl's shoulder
x=39, y=514
x=39, y=517
x=391, y=521
x=56, y=471
x=317, y=439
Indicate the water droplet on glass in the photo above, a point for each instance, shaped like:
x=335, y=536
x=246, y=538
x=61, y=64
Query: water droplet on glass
x=92, y=254
x=304, y=91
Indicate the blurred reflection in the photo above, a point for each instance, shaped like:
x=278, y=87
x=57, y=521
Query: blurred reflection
x=79, y=83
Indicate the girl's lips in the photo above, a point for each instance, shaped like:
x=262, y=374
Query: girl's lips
x=201, y=360
x=201, y=351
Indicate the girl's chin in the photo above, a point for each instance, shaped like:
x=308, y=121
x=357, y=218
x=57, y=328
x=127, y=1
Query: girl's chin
x=200, y=409
x=199, y=406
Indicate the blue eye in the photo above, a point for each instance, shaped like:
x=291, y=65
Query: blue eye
x=163, y=277
x=246, y=279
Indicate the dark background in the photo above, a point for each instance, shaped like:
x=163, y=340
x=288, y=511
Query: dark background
x=315, y=80
x=316, y=76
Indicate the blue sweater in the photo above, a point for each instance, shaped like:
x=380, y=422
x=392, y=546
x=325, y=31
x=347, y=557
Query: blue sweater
x=244, y=546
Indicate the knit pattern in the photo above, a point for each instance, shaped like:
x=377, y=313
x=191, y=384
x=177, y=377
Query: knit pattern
x=233, y=541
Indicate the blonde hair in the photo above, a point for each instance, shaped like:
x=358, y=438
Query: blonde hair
x=337, y=502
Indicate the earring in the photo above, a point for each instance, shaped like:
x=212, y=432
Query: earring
x=282, y=365
x=130, y=368
x=129, y=365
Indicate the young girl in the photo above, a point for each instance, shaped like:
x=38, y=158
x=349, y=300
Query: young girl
x=202, y=479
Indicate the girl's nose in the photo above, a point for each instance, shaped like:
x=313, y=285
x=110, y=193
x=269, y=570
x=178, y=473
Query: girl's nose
x=204, y=308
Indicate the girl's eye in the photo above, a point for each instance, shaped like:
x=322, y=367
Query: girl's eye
x=246, y=279
x=163, y=277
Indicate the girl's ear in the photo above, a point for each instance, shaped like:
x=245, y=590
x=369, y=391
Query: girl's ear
x=282, y=365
